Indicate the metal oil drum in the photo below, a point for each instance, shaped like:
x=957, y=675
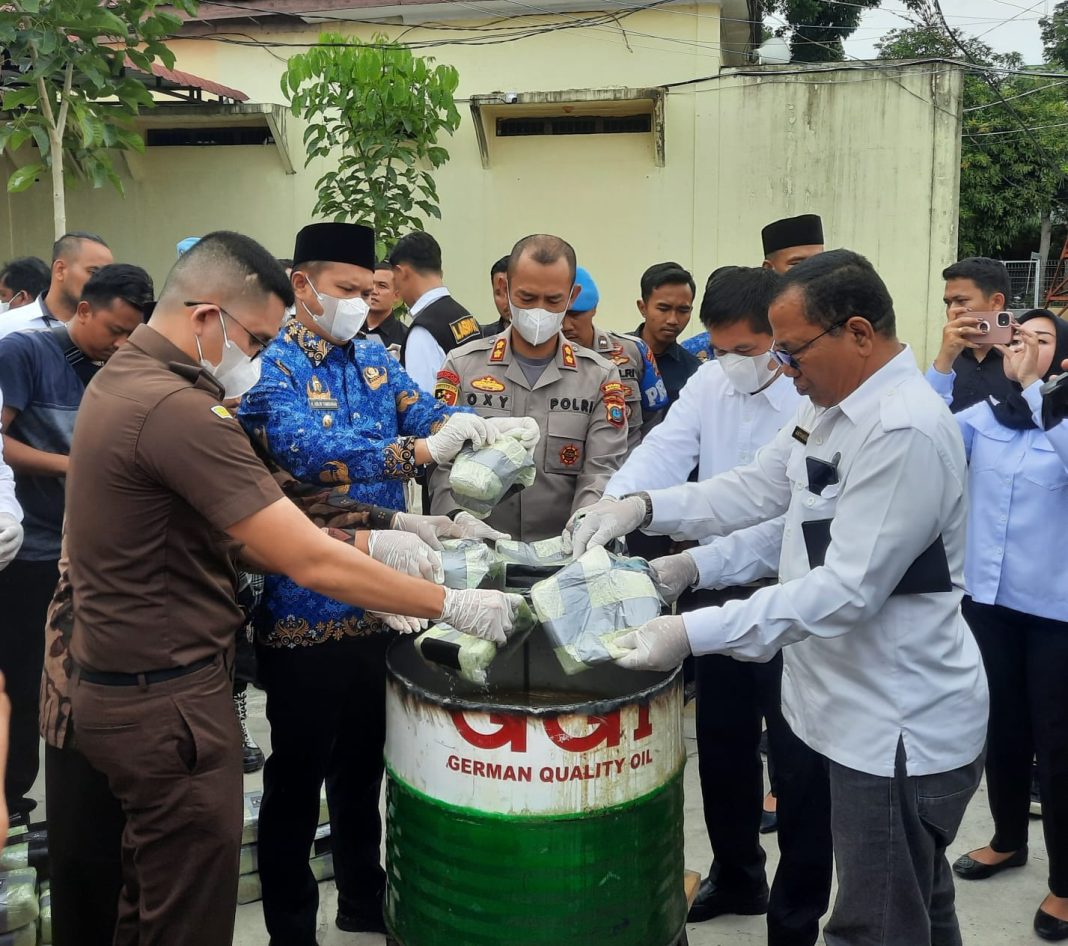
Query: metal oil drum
x=543, y=810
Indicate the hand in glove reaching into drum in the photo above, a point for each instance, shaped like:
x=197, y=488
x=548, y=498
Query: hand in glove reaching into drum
x=486, y=614
x=409, y=554
x=674, y=574
x=605, y=520
x=432, y=529
x=458, y=430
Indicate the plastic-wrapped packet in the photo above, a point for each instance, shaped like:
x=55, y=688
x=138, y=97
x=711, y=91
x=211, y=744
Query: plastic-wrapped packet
x=28, y=849
x=250, y=854
x=467, y=562
x=593, y=601
x=23, y=936
x=480, y=479
x=250, y=829
x=468, y=656
x=554, y=551
x=250, y=889
x=19, y=907
x=44, y=921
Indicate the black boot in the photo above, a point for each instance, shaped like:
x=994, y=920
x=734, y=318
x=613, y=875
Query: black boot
x=251, y=754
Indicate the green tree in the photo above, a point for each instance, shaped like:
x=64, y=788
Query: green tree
x=1013, y=155
x=1055, y=35
x=378, y=109
x=818, y=28
x=64, y=85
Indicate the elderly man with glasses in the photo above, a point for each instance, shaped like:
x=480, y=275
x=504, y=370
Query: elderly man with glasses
x=881, y=676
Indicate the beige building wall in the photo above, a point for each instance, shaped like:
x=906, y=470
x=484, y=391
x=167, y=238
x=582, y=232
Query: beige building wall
x=876, y=153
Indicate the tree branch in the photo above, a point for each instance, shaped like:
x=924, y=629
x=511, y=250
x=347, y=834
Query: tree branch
x=68, y=83
x=42, y=92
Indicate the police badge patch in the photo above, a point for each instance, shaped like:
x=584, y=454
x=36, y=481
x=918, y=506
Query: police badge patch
x=487, y=383
x=614, y=403
x=447, y=388
x=569, y=454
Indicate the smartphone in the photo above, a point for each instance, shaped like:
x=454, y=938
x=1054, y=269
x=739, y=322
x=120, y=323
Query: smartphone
x=996, y=328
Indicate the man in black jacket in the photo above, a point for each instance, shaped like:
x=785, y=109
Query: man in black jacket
x=439, y=323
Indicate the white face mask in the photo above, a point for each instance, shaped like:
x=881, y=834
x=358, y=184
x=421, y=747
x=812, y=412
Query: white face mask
x=748, y=374
x=237, y=372
x=4, y=306
x=341, y=318
x=536, y=326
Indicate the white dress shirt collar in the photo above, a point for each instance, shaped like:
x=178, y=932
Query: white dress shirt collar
x=431, y=295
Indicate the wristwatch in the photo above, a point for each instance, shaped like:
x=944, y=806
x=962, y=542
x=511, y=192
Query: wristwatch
x=648, y=501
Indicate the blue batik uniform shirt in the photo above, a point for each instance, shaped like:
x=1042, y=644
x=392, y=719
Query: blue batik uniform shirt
x=699, y=345
x=333, y=416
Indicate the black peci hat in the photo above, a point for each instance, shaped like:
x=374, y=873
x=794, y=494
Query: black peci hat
x=335, y=243
x=806, y=230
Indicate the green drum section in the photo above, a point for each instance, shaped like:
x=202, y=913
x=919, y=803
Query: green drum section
x=543, y=810
x=462, y=878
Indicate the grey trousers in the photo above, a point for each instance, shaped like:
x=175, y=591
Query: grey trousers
x=895, y=886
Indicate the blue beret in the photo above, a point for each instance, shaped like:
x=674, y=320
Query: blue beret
x=589, y=296
x=187, y=244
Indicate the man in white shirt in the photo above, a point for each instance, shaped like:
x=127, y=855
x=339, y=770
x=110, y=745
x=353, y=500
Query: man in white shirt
x=438, y=322
x=75, y=257
x=730, y=408
x=11, y=533
x=883, y=677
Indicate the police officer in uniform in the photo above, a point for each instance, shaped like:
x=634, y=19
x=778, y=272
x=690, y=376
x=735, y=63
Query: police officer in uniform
x=644, y=389
x=164, y=490
x=531, y=370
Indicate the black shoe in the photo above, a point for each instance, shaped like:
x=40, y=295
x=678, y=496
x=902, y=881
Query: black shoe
x=365, y=917
x=968, y=868
x=1050, y=928
x=712, y=901
x=1036, y=798
x=769, y=822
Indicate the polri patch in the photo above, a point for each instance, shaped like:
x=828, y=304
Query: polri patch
x=614, y=404
x=447, y=393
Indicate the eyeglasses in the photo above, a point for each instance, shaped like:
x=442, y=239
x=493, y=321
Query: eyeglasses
x=788, y=359
x=258, y=339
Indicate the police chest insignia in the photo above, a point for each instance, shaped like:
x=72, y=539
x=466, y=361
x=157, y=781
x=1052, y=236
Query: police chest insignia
x=800, y=435
x=619, y=356
x=567, y=353
x=487, y=383
x=447, y=387
x=375, y=377
x=463, y=328
x=569, y=454
x=219, y=411
x=319, y=398
x=614, y=403
x=499, y=348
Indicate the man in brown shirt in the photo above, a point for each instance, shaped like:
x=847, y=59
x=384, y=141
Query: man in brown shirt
x=163, y=489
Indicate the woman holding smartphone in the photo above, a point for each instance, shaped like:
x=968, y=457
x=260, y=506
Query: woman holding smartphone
x=1017, y=607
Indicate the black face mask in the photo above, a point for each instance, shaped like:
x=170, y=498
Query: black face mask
x=1014, y=412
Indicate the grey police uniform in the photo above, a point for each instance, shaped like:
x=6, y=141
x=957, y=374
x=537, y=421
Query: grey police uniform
x=580, y=408
x=623, y=352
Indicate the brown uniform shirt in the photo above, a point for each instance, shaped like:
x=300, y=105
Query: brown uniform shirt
x=158, y=470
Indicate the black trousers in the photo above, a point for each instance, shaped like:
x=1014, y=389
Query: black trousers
x=85, y=824
x=326, y=707
x=1026, y=659
x=25, y=592
x=733, y=697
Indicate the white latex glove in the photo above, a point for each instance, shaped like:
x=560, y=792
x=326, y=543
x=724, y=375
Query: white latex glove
x=673, y=574
x=662, y=644
x=400, y=623
x=526, y=428
x=486, y=614
x=458, y=430
x=468, y=527
x=10, y=538
x=605, y=520
x=431, y=529
x=405, y=553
